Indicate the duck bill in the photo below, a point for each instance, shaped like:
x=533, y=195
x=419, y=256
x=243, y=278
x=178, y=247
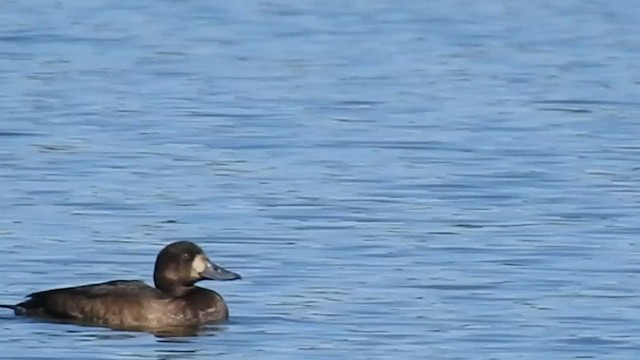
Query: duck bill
x=215, y=272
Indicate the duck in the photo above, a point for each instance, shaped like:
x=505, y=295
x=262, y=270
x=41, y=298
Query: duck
x=174, y=302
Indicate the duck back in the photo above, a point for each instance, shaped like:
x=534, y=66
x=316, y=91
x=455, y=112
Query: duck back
x=114, y=303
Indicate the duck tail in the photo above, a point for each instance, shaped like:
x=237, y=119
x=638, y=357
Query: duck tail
x=12, y=307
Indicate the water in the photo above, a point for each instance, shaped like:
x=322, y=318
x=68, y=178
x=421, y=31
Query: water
x=394, y=180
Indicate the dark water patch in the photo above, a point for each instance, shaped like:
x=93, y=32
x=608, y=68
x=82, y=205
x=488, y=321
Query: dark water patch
x=586, y=102
x=460, y=287
x=40, y=38
x=17, y=134
x=567, y=110
x=58, y=148
x=590, y=341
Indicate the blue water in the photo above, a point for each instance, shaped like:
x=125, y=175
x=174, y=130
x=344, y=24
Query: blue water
x=393, y=179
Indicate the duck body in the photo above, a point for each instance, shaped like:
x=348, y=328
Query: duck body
x=126, y=304
x=175, y=301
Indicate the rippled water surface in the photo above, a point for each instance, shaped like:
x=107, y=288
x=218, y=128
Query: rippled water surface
x=393, y=179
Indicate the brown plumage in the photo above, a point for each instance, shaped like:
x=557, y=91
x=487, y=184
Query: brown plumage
x=129, y=304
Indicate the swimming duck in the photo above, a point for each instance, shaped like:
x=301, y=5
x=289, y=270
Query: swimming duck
x=175, y=301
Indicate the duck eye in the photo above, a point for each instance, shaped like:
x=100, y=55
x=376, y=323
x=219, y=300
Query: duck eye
x=185, y=256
